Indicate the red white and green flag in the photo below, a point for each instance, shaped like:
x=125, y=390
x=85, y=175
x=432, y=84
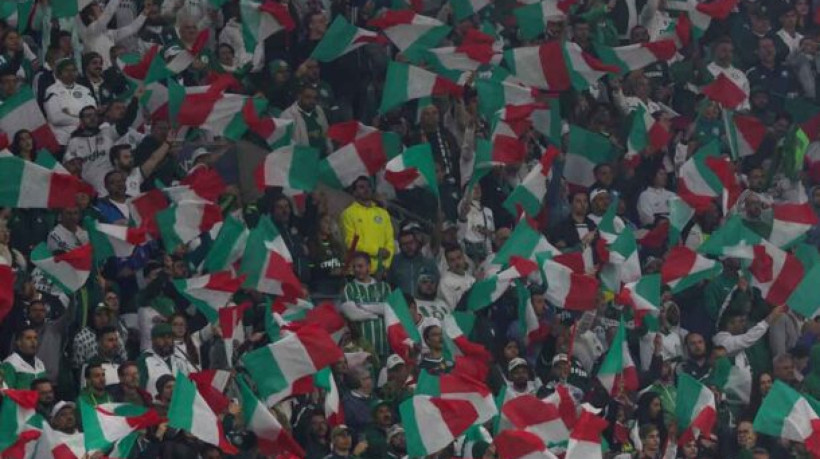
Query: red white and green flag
x=458, y=385
x=405, y=82
x=568, y=287
x=529, y=195
x=363, y=157
x=26, y=185
x=707, y=176
x=532, y=329
x=790, y=415
x=412, y=33
x=637, y=56
x=524, y=241
x=695, y=409
x=341, y=38
x=618, y=372
x=261, y=19
x=21, y=111
x=586, y=150
x=646, y=134
x=136, y=66
x=69, y=270
x=702, y=14
x=267, y=262
x=113, y=240
x=463, y=9
x=725, y=92
x=804, y=299
x=228, y=246
x=775, y=273
x=476, y=49
x=732, y=239
x=20, y=421
x=414, y=168
x=680, y=213
x=556, y=66
x=145, y=207
x=190, y=412
x=182, y=57
x=334, y=411
x=732, y=380
x=521, y=444
x=791, y=222
x=487, y=291
x=107, y=423
x=347, y=131
x=59, y=445
x=532, y=19
x=286, y=367
x=293, y=167
x=208, y=108
x=432, y=423
x=683, y=268
x=643, y=296
x=271, y=437
x=402, y=333
x=185, y=221
x=495, y=95
x=230, y=322
x=744, y=133
x=211, y=292
x=528, y=412
x=585, y=438
x=457, y=342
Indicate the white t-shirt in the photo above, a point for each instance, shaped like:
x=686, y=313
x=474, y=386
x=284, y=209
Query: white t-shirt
x=133, y=182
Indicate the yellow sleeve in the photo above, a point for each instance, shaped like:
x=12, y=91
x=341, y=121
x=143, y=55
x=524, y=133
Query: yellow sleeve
x=348, y=226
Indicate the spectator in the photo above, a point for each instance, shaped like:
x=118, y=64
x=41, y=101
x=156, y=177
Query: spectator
x=160, y=360
x=309, y=119
x=409, y=263
x=367, y=227
x=364, y=302
x=65, y=99
x=455, y=281
x=23, y=366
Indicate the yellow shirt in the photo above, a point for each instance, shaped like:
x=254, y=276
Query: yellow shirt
x=374, y=229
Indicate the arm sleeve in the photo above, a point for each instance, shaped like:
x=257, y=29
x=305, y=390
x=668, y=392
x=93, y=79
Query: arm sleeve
x=648, y=12
x=130, y=29
x=778, y=336
x=353, y=312
x=54, y=111
x=101, y=24
x=645, y=210
x=737, y=343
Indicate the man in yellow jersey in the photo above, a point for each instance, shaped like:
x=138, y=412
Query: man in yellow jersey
x=367, y=227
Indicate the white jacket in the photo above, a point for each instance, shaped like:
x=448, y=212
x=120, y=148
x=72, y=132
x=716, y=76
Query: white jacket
x=60, y=97
x=300, y=132
x=98, y=38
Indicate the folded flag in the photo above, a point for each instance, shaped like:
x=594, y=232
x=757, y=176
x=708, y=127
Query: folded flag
x=108, y=423
x=532, y=19
x=775, y=273
x=412, y=33
x=286, y=367
x=528, y=412
x=707, y=176
x=617, y=372
x=586, y=150
x=695, y=409
x=406, y=82
x=556, y=66
x=228, y=246
x=69, y=270
x=292, y=166
x=271, y=437
x=190, y=412
x=347, y=131
x=791, y=223
x=732, y=380
x=26, y=185
x=432, y=423
x=113, y=240
x=261, y=19
x=267, y=262
x=725, y=92
x=341, y=38
x=363, y=157
x=458, y=385
x=683, y=268
x=520, y=444
x=643, y=296
x=585, y=438
x=790, y=415
x=744, y=133
x=637, y=56
x=21, y=111
x=462, y=9
x=414, y=168
x=529, y=195
x=334, y=412
x=487, y=291
x=185, y=221
x=209, y=293
x=20, y=420
x=402, y=333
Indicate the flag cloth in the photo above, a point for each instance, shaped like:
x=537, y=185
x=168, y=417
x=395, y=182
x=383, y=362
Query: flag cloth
x=20, y=420
x=459, y=386
x=261, y=19
x=695, y=409
x=705, y=177
x=363, y=157
x=586, y=150
x=529, y=195
x=528, y=412
x=21, y=111
x=228, y=246
x=6, y=287
x=182, y=57
x=525, y=242
x=495, y=95
x=286, y=367
x=683, y=268
x=568, y=288
x=113, y=240
x=69, y=270
x=230, y=322
x=556, y=66
x=334, y=412
x=432, y=423
x=137, y=66
x=637, y=56
x=26, y=185
x=341, y=38
x=775, y=273
x=732, y=380
x=144, y=208
x=487, y=291
x=456, y=341
x=402, y=332
x=463, y=9
x=292, y=166
x=185, y=221
x=414, y=168
x=209, y=293
x=623, y=255
x=585, y=438
x=725, y=92
x=646, y=133
x=617, y=371
x=204, y=184
x=787, y=414
x=271, y=437
x=406, y=82
x=208, y=108
x=643, y=296
x=732, y=239
x=189, y=412
x=108, y=423
x=412, y=33
x=744, y=133
x=347, y=131
x=701, y=14
x=532, y=329
x=276, y=132
x=267, y=262
x=211, y=386
x=804, y=298
x=476, y=50
x=680, y=213
x=791, y=223
x=520, y=444
x=532, y=19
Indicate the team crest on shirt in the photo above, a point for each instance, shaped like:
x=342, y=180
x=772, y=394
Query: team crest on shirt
x=377, y=219
x=77, y=94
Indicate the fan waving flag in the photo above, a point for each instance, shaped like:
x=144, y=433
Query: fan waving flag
x=432, y=423
x=70, y=270
x=341, y=38
x=20, y=420
x=637, y=56
x=617, y=371
x=107, y=423
x=683, y=268
x=695, y=409
x=113, y=240
x=459, y=386
x=286, y=367
x=190, y=412
x=412, y=33
x=293, y=167
x=365, y=156
x=413, y=169
x=26, y=185
x=487, y=291
x=209, y=293
x=790, y=415
x=267, y=262
x=271, y=437
x=529, y=195
x=185, y=221
x=406, y=82
x=556, y=66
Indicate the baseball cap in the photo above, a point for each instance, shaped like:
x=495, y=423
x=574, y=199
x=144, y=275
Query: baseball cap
x=339, y=430
x=560, y=358
x=60, y=405
x=161, y=329
x=515, y=363
x=393, y=361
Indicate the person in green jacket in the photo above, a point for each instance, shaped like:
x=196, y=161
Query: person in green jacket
x=22, y=367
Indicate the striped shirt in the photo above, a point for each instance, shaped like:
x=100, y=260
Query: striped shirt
x=371, y=330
